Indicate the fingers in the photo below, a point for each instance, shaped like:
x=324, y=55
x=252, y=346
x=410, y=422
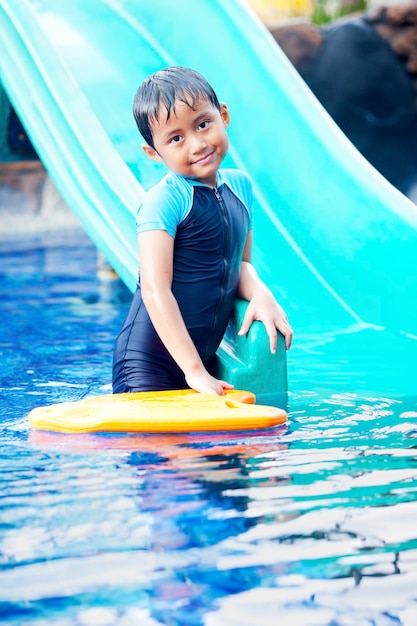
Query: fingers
x=278, y=322
x=216, y=389
x=220, y=385
x=247, y=322
x=287, y=331
x=288, y=340
x=284, y=328
x=205, y=383
x=271, y=330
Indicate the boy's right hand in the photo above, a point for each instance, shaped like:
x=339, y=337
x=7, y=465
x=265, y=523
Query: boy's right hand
x=203, y=382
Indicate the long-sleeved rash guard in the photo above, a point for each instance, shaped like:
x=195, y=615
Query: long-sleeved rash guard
x=209, y=227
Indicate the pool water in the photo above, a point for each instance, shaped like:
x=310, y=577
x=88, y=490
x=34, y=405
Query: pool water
x=309, y=524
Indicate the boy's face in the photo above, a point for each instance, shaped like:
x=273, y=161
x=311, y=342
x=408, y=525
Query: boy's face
x=193, y=141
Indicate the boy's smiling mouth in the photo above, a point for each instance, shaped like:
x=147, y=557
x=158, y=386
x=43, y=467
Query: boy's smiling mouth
x=204, y=159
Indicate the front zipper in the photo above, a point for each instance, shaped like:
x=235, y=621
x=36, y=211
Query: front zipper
x=225, y=250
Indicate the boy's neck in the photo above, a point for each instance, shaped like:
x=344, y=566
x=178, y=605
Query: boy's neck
x=203, y=184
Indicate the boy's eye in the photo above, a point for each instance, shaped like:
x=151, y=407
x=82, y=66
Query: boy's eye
x=176, y=139
x=203, y=125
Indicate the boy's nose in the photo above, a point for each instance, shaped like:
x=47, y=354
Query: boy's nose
x=197, y=143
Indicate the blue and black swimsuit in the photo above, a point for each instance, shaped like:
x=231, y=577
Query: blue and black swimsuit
x=209, y=227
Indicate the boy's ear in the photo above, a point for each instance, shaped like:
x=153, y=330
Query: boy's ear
x=151, y=152
x=224, y=112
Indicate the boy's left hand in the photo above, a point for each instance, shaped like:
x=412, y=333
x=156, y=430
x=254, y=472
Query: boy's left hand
x=264, y=308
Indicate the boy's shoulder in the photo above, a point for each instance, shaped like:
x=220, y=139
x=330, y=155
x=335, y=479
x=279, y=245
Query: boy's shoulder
x=231, y=174
x=169, y=184
x=171, y=190
x=165, y=205
x=239, y=182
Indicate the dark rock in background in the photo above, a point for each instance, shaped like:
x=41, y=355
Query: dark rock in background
x=364, y=72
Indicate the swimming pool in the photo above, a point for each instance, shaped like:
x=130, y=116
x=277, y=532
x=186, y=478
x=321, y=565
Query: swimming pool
x=311, y=524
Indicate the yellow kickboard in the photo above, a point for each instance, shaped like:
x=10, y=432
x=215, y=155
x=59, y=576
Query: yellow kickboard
x=158, y=412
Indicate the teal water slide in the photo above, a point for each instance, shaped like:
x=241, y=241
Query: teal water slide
x=333, y=239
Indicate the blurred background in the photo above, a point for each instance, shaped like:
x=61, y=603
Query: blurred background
x=359, y=57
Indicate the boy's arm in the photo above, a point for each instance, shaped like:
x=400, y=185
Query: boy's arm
x=156, y=248
x=262, y=304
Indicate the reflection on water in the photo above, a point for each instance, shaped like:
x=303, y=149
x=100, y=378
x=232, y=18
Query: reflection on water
x=308, y=524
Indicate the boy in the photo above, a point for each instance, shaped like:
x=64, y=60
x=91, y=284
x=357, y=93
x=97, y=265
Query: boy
x=195, y=239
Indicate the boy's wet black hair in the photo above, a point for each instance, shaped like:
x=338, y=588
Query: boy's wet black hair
x=165, y=88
